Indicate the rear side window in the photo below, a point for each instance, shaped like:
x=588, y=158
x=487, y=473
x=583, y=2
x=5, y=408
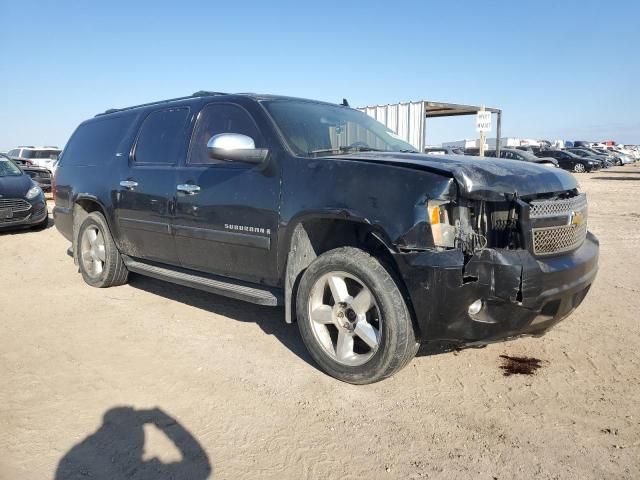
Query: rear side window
x=47, y=154
x=162, y=136
x=217, y=118
x=95, y=142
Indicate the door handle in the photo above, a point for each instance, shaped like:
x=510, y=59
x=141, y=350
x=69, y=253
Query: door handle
x=188, y=188
x=130, y=184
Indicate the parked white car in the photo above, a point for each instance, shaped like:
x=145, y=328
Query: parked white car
x=38, y=156
x=630, y=152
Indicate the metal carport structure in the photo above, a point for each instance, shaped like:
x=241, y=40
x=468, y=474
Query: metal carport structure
x=408, y=119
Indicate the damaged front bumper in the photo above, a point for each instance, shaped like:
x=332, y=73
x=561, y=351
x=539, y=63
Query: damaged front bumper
x=520, y=294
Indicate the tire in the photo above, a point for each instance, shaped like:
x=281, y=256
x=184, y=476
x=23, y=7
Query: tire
x=579, y=168
x=100, y=261
x=365, y=338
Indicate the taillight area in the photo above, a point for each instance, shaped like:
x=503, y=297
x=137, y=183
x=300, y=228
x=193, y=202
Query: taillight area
x=53, y=186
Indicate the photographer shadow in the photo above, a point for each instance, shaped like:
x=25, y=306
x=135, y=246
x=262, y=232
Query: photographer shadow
x=117, y=449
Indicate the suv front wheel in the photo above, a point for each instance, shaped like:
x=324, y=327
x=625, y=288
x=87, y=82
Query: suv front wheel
x=100, y=261
x=353, y=317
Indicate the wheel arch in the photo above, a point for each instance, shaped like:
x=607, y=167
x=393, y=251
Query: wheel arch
x=313, y=235
x=83, y=205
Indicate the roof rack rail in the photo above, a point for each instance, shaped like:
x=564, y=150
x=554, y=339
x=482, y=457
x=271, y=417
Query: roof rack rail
x=201, y=93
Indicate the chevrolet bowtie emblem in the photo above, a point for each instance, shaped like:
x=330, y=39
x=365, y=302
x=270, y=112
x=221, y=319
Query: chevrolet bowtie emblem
x=577, y=219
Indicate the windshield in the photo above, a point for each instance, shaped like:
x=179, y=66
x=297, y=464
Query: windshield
x=527, y=155
x=312, y=128
x=8, y=168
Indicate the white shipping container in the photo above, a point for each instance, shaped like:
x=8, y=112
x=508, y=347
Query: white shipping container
x=405, y=119
x=408, y=119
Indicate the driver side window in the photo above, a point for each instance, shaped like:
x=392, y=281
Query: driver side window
x=217, y=118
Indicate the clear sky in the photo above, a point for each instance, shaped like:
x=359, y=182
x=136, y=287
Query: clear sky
x=558, y=69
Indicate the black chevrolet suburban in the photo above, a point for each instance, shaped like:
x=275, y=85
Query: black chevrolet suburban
x=372, y=247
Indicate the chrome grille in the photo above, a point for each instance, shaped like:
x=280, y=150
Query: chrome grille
x=15, y=204
x=552, y=208
x=548, y=241
x=565, y=224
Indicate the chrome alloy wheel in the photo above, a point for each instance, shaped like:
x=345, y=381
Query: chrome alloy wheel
x=92, y=251
x=345, y=318
x=579, y=168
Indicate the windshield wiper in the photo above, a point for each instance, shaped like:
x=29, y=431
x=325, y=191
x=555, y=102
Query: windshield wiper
x=408, y=151
x=341, y=150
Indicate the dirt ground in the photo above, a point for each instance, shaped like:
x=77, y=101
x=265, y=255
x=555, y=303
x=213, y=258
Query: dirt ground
x=151, y=380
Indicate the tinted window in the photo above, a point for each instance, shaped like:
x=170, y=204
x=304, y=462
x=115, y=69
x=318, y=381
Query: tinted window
x=161, y=138
x=217, y=118
x=14, y=153
x=40, y=154
x=96, y=141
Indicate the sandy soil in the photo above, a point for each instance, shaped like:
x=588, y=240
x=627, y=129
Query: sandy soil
x=151, y=380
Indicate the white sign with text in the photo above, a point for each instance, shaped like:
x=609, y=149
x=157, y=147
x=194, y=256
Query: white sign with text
x=483, y=122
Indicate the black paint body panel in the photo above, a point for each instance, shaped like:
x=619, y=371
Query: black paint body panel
x=515, y=287
x=241, y=222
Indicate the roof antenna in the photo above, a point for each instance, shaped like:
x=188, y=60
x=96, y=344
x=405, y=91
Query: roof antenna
x=345, y=103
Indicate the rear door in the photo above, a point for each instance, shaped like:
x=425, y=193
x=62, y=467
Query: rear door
x=229, y=226
x=146, y=193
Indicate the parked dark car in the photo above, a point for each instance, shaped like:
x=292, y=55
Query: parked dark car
x=570, y=161
x=374, y=248
x=532, y=148
x=40, y=175
x=524, y=156
x=22, y=202
x=444, y=150
x=614, y=159
x=584, y=153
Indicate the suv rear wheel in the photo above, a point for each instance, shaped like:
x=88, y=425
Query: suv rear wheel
x=100, y=261
x=353, y=317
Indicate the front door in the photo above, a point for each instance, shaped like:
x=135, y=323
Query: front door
x=145, y=200
x=227, y=212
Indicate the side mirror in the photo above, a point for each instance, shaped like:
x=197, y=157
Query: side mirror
x=234, y=147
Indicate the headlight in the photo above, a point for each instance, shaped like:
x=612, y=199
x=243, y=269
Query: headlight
x=443, y=232
x=33, y=192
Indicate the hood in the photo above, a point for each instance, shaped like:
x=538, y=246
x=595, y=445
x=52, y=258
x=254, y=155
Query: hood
x=479, y=178
x=15, y=187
